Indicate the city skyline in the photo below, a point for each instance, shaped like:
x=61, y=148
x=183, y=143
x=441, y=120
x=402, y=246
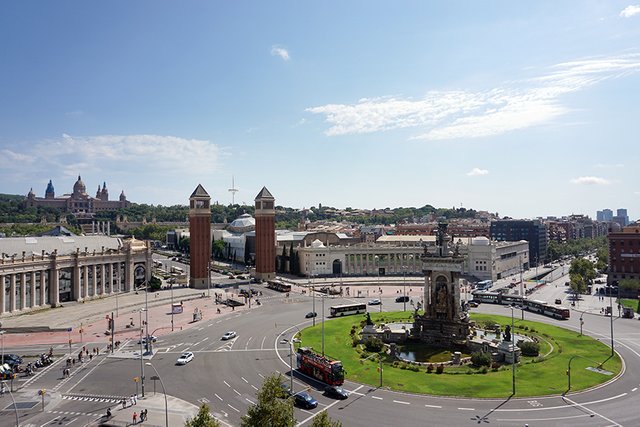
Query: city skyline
x=525, y=110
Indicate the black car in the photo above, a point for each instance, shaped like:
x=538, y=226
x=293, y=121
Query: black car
x=304, y=400
x=310, y=314
x=336, y=392
x=402, y=298
x=12, y=359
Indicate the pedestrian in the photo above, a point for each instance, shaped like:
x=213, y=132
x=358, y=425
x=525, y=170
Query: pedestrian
x=124, y=403
x=135, y=399
x=135, y=417
x=91, y=356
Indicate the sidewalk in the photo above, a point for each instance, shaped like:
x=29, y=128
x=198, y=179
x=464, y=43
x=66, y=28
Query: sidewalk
x=88, y=322
x=178, y=412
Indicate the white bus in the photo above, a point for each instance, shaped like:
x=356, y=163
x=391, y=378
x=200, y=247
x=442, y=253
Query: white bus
x=347, y=309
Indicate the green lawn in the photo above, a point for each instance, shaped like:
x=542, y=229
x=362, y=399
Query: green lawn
x=533, y=377
x=627, y=302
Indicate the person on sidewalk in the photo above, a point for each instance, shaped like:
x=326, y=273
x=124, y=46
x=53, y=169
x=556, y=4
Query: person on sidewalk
x=135, y=417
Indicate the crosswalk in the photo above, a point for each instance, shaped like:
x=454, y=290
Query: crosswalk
x=95, y=398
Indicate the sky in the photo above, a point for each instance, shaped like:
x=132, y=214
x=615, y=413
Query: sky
x=525, y=109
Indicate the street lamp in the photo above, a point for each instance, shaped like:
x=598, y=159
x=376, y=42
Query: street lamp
x=322, y=325
x=15, y=408
x=513, y=354
x=164, y=391
x=141, y=353
x=379, y=368
x=404, y=287
x=2, y=334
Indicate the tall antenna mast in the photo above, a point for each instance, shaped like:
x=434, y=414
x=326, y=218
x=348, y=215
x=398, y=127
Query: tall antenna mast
x=233, y=191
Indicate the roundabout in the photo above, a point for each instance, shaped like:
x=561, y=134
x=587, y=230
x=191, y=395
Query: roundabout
x=541, y=375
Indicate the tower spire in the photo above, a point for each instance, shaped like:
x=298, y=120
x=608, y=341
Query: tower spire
x=233, y=191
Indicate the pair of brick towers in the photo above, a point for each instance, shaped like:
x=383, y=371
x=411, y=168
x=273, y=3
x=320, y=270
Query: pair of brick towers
x=200, y=236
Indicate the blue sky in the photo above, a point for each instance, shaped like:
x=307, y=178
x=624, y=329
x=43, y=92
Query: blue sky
x=523, y=108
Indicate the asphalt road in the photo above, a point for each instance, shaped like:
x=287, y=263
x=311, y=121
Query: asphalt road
x=227, y=374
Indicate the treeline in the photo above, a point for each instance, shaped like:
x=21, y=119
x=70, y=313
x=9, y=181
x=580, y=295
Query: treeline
x=578, y=247
x=12, y=210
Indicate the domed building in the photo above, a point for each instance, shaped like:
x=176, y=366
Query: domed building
x=78, y=202
x=235, y=238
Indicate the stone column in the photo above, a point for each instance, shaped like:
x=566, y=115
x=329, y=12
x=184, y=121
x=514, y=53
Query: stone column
x=33, y=289
x=54, y=287
x=23, y=291
x=12, y=293
x=43, y=297
x=119, y=277
x=2, y=292
x=94, y=280
x=76, y=282
x=85, y=281
x=103, y=279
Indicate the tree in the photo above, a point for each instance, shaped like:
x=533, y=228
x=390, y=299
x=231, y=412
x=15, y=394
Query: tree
x=323, y=420
x=577, y=284
x=203, y=419
x=155, y=283
x=272, y=409
x=584, y=268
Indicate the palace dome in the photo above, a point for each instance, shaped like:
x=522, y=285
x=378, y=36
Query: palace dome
x=79, y=187
x=243, y=223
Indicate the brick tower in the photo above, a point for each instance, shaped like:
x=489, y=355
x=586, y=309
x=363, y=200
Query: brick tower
x=265, y=235
x=200, y=237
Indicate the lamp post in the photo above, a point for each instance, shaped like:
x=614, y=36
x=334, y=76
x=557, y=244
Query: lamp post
x=171, y=288
x=379, y=368
x=291, y=341
x=322, y=325
x=15, y=408
x=513, y=356
x=141, y=353
x=611, y=314
x=164, y=391
x=404, y=287
x=2, y=335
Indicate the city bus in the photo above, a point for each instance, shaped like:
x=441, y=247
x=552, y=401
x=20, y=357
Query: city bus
x=347, y=309
x=278, y=285
x=485, y=284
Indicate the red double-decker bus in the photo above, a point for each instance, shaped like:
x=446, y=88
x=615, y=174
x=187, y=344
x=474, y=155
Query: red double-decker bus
x=319, y=367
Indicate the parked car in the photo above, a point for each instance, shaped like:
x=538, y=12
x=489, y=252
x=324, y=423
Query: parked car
x=185, y=358
x=304, y=400
x=228, y=335
x=11, y=359
x=473, y=304
x=311, y=314
x=285, y=389
x=375, y=302
x=152, y=338
x=336, y=392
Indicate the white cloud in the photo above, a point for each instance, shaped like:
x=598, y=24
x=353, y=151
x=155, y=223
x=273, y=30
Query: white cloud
x=468, y=114
x=629, y=11
x=477, y=172
x=151, y=156
x=590, y=180
x=280, y=51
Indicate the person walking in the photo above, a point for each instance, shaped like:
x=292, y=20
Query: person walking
x=135, y=417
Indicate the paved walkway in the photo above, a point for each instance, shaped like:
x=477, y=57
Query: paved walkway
x=177, y=413
x=88, y=322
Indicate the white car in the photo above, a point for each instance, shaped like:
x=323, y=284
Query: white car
x=375, y=302
x=229, y=335
x=184, y=358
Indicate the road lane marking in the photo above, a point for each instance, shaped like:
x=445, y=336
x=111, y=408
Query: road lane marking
x=254, y=387
x=226, y=383
x=245, y=380
x=466, y=409
x=433, y=406
x=216, y=395
x=237, y=392
x=233, y=408
x=591, y=410
x=634, y=389
x=262, y=345
x=261, y=376
x=249, y=400
x=401, y=402
x=376, y=397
